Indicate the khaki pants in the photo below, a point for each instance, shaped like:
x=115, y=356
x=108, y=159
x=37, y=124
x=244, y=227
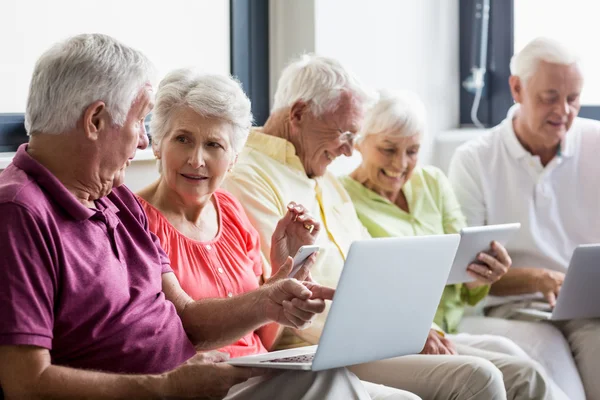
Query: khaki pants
x=569, y=351
x=331, y=384
x=475, y=374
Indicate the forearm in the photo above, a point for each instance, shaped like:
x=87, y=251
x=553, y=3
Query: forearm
x=56, y=382
x=517, y=281
x=214, y=323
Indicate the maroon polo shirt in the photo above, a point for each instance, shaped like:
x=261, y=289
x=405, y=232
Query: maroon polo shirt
x=83, y=283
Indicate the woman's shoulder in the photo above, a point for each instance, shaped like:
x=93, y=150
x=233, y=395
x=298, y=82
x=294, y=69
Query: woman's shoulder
x=227, y=201
x=156, y=220
x=355, y=189
x=230, y=207
x=430, y=175
x=433, y=180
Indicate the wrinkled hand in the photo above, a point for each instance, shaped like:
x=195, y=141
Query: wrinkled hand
x=292, y=232
x=206, y=376
x=293, y=303
x=436, y=344
x=492, y=266
x=548, y=283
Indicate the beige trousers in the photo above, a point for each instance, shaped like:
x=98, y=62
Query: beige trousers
x=476, y=374
x=331, y=384
x=569, y=351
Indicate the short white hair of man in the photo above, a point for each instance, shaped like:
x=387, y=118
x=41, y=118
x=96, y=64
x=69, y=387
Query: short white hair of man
x=399, y=113
x=210, y=95
x=320, y=82
x=75, y=73
x=524, y=63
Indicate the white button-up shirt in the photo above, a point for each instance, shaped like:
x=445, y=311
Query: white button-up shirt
x=497, y=181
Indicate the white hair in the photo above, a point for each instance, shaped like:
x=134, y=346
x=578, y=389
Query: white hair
x=399, y=113
x=320, y=82
x=524, y=63
x=79, y=71
x=209, y=95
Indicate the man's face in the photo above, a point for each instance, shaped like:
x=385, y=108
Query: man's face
x=320, y=140
x=120, y=143
x=549, y=102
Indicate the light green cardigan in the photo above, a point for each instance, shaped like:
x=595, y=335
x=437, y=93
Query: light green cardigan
x=433, y=210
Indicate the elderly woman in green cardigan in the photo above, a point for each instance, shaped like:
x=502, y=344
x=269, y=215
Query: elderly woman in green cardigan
x=395, y=197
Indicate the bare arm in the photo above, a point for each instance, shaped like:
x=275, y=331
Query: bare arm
x=516, y=281
x=26, y=373
x=529, y=280
x=214, y=323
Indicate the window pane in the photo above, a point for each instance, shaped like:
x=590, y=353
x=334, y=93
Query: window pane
x=173, y=34
x=573, y=22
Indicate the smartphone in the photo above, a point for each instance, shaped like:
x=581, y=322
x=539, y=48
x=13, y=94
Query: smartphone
x=301, y=256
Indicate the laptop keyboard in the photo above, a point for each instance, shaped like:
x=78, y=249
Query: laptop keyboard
x=304, y=359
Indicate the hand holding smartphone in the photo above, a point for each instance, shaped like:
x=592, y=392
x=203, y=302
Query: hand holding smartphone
x=301, y=256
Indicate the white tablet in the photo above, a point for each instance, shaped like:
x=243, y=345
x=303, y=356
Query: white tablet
x=474, y=240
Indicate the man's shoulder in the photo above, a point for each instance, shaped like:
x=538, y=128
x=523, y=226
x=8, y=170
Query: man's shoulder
x=590, y=128
x=482, y=145
x=126, y=201
x=20, y=190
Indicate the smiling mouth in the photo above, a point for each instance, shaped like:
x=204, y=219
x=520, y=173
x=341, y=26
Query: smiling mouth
x=194, y=177
x=329, y=156
x=394, y=175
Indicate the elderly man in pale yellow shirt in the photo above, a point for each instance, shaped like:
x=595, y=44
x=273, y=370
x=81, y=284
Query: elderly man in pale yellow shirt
x=318, y=108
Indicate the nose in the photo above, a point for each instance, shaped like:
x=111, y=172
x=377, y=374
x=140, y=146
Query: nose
x=143, y=140
x=347, y=149
x=196, y=159
x=401, y=162
x=563, y=108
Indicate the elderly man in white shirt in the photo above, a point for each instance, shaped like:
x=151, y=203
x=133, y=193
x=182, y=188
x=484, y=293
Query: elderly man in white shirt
x=539, y=167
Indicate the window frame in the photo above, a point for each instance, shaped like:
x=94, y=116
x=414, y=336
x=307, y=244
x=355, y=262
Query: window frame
x=249, y=63
x=496, y=98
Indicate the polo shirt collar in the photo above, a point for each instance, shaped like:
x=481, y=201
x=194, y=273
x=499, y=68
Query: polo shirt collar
x=52, y=186
x=517, y=150
x=275, y=147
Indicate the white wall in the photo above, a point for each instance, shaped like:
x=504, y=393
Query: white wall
x=172, y=34
x=394, y=44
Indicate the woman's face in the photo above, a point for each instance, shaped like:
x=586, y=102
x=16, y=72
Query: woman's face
x=195, y=154
x=389, y=160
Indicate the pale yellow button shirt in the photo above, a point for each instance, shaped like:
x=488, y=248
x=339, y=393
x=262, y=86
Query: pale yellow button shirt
x=267, y=176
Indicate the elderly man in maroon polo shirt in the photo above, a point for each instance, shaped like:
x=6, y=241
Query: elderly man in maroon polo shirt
x=89, y=307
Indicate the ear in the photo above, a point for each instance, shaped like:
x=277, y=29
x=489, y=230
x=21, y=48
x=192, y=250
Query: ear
x=298, y=112
x=516, y=88
x=156, y=150
x=95, y=120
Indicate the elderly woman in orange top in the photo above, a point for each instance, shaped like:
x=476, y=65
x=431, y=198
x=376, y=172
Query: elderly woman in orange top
x=199, y=125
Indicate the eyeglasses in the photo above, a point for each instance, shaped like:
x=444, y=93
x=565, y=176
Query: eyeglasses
x=348, y=137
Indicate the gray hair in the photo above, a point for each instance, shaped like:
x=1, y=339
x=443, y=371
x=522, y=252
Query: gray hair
x=79, y=71
x=320, y=82
x=209, y=95
x=524, y=63
x=402, y=113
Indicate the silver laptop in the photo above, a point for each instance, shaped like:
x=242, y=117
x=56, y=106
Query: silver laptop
x=474, y=240
x=579, y=296
x=383, y=307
